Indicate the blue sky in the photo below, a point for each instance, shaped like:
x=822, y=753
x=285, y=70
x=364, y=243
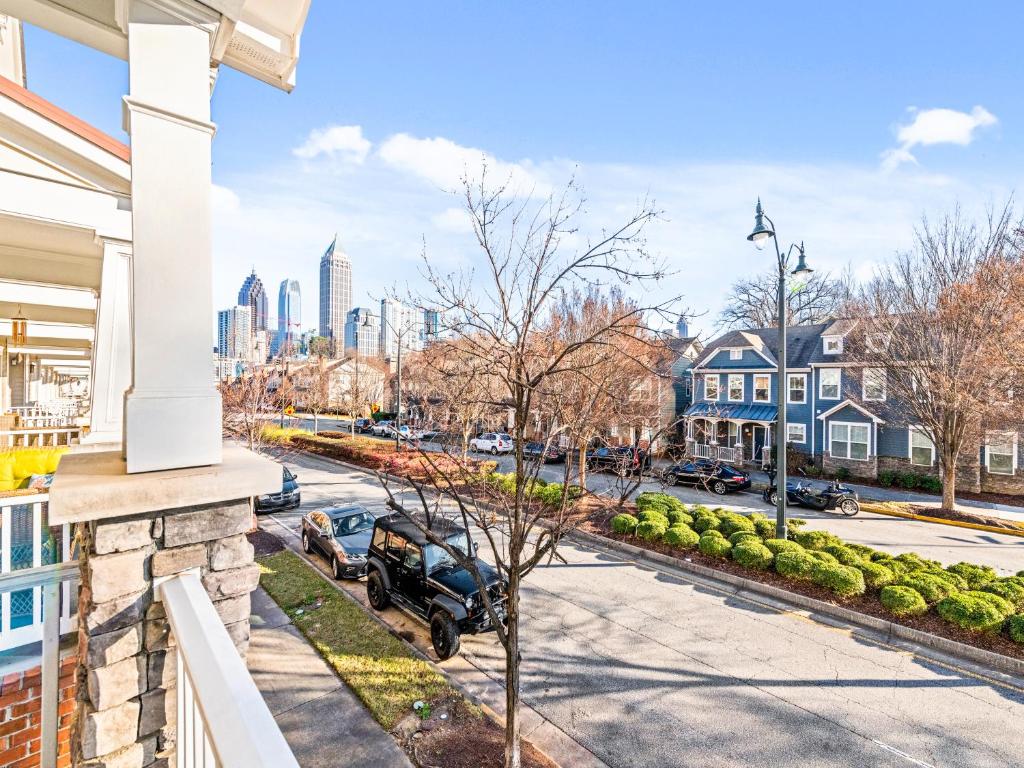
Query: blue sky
x=849, y=122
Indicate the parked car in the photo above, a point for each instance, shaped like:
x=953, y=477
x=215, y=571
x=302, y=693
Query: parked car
x=405, y=568
x=624, y=458
x=717, y=478
x=289, y=498
x=492, y=442
x=342, y=535
x=381, y=428
x=403, y=432
x=364, y=426
x=551, y=454
x=804, y=494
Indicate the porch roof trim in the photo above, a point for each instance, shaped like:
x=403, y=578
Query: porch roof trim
x=737, y=411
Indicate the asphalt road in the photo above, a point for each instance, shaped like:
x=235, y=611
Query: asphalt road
x=647, y=667
x=947, y=544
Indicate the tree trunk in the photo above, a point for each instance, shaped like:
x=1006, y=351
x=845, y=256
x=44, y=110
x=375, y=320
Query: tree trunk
x=512, y=659
x=316, y=422
x=949, y=485
x=583, y=465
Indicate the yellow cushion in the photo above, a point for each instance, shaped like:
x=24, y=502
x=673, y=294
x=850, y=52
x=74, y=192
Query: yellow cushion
x=7, y=481
x=29, y=461
x=53, y=459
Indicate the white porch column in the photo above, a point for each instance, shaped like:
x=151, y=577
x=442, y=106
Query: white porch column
x=173, y=409
x=112, y=348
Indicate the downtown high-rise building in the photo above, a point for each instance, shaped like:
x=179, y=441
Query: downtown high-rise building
x=289, y=319
x=335, y=295
x=362, y=333
x=398, y=321
x=253, y=296
x=234, y=333
x=431, y=325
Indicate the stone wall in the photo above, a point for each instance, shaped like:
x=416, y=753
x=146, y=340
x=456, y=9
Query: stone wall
x=830, y=465
x=126, y=692
x=21, y=721
x=1011, y=484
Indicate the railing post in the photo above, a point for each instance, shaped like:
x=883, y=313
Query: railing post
x=51, y=672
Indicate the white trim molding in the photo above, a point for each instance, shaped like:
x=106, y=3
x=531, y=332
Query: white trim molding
x=789, y=377
x=790, y=426
x=838, y=385
x=728, y=387
x=912, y=430
x=1012, y=436
x=848, y=402
x=850, y=425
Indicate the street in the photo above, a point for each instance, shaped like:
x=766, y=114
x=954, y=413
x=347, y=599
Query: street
x=648, y=667
x=948, y=544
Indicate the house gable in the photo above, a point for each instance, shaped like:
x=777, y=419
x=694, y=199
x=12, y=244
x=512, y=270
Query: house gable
x=848, y=410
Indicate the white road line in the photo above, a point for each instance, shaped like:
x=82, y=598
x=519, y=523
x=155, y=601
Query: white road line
x=904, y=755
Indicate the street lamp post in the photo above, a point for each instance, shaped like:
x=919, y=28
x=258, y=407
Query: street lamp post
x=399, y=338
x=761, y=234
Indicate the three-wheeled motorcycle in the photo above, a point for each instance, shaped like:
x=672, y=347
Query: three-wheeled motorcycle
x=834, y=496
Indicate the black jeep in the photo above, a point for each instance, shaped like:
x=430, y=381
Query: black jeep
x=402, y=566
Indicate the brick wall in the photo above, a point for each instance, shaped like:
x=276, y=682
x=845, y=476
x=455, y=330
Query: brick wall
x=21, y=720
x=1010, y=484
x=869, y=468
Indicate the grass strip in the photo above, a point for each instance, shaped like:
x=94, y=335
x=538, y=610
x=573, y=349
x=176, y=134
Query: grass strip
x=375, y=664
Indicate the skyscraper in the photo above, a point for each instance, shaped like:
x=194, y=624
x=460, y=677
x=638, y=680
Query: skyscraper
x=234, y=333
x=253, y=296
x=398, y=320
x=335, y=294
x=362, y=333
x=289, y=318
x=431, y=325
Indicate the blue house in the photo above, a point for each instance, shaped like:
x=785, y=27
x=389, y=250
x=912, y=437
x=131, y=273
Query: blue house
x=838, y=410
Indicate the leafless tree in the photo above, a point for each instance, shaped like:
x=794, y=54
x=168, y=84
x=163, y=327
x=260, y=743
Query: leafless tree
x=502, y=318
x=312, y=383
x=944, y=325
x=245, y=406
x=752, y=303
x=361, y=387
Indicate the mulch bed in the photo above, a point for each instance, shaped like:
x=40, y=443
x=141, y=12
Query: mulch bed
x=867, y=603
x=264, y=543
x=470, y=740
x=965, y=517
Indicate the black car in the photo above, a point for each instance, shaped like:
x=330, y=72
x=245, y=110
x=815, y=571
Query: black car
x=363, y=426
x=552, y=454
x=623, y=458
x=405, y=568
x=288, y=498
x=717, y=478
x=342, y=535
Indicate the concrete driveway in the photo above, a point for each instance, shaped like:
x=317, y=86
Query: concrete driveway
x=648, y=667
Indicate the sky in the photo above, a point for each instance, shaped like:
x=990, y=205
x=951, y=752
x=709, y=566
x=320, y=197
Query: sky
x=849, y=122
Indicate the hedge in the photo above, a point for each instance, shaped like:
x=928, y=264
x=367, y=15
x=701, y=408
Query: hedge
x=976, y=575
x=681, y=536
x=875, y=575
x=654, y=515
x=731, y=522
x=902, y=601
x=738, y=536
x=714, y=545
x=976, y=611
x=624, y=524
x=677, y=516
x=1010, y=589
x=1015, y=626
x=750, y=552
x=705, y=520
x=651, y=530
x=844, y=554
x=929, y=586
x=815, y=539
x=782, y=545
x=795, y=564
x=843, y=580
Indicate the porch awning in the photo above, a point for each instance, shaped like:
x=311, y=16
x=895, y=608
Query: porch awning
x=735, y=411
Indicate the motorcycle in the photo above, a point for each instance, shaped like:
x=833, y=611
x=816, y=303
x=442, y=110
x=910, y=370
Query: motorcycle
x=835, y=496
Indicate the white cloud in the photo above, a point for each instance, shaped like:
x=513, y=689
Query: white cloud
x=337, y=142
x=223, y=200
x=444, y=163
x=453, y=220
x=936, y=126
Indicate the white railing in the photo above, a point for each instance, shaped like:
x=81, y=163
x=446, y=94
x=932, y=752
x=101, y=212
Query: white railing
x=27, y=542
x=714, y=452
x=223, y=721
x=40, y=438
x=703, y=451
x=56, y=413
x=730, y=455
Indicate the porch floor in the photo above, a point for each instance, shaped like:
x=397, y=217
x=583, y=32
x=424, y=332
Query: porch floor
x=322, y=720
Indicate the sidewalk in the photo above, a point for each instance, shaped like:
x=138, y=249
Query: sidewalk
x=1004, y=511
x=322, y=720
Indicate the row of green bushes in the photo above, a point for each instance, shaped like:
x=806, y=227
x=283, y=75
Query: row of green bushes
x=548, y=494
x=967, y=595
x=911, y=481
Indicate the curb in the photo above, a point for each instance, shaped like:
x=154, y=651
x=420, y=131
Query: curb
x=942, y=521
x=592, y=760
x=993, y=663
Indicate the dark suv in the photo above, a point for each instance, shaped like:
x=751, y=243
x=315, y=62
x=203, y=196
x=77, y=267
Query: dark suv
x=403, y=567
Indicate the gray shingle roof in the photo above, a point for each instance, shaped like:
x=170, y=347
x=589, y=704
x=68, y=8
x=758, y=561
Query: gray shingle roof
x=802, y=343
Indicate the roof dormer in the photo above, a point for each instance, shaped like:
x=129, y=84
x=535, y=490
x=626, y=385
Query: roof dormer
x=832, y=345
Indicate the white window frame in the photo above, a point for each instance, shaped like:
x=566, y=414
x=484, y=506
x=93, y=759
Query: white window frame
x=917, y=430
x=864, y=385
x=735, y=354
x=849, y=442
x=821, y=384
x=803, y=433
x=708, y=377
x=827, y=340
x=728, y=387
x=732, y=434
x=988, y=452
x=789, y=387
x=767, y=387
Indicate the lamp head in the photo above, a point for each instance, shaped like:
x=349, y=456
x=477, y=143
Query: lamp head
x=761, y=234
x=802, y=270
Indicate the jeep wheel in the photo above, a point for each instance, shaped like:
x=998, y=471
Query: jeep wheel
x=671, y=479
x=336, y=569
x=305, y=543
x=719, y=488
x=444, y=635
x=494, y=450
x=375, y=591
x=774, y=499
